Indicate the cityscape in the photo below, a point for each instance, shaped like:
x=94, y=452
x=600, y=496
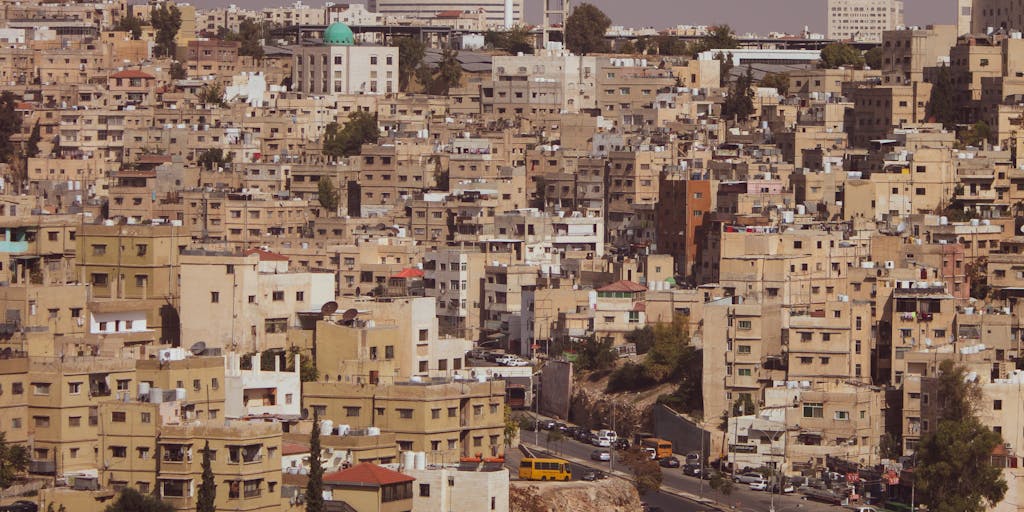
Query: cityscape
x=427, y=256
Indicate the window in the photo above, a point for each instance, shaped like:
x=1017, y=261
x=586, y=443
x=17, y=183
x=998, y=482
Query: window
x=41, y=388
x=214, y=297
x=452, y=412
x=17, y=388
x=75, y=421
x=744, y=325
x=99, y=250
x=118, y=416
x=352, y=412
x=278, y=295
x=74, y=388
x=196, y=385
x=842, y=415
x=300, y=296
x=744, y=372
x=389, y=352
x=743, y=349
x=146, y=417
x=405, y=414
x=997, y=405
x=99, y=280
x=41, y=421
x=814, y=410
x=140, y=250
x=425, y=490
x=118, y=452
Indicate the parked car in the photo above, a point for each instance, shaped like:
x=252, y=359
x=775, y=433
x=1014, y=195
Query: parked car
x=692, y=470
x=515, y=361
x=547, y=424
x=787, y=488
x=669, y=462
x=610, y=434
x=601, y=442
x=621, y=444
x=750, y=477
x=759, y=486
x=823, y=495
x=601, y=455
x=591, y=476
x=582, y=435
x=493, y=356
x=20, y=506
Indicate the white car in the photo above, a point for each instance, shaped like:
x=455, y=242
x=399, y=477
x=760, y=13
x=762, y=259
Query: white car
x=506, y=360
x=602, y=442
x=515, y=361
x=759, y=486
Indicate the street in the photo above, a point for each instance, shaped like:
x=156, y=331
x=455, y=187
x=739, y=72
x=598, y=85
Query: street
x=742, y=498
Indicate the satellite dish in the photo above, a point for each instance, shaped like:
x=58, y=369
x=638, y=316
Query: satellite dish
x=198, y=348
x=901, y=227
x=1022, y=228
x=382, y=226
x=329, y=308
x=349, y=315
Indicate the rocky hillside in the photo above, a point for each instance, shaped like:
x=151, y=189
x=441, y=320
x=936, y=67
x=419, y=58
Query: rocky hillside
x=611, y=495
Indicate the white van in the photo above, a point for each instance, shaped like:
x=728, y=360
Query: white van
x=610, y=434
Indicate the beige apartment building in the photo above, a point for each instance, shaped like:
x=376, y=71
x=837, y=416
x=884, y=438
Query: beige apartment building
x=196, y=383
x=907, y=52
x=339, y=66
x=242, y=218
x=446, y=420
x=863, y=20
x=247, y=301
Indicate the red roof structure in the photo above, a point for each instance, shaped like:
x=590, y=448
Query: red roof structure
x=623, y=286
x=132, y=73
x=267, y=255
x=367, y=473
x=294, y=448
x=449, y=14
x=409, y=273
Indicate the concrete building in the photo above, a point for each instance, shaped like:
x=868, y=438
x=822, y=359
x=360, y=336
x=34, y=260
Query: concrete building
x=339, y=66
x=907, y=52
x=502, y=14
x=368, y=487
x=447, y=420
x=257, y=392
x=995, y=14
x=472, y=485
x=863, y=20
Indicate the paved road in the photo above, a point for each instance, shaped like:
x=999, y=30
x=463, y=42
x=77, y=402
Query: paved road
x=742, y=498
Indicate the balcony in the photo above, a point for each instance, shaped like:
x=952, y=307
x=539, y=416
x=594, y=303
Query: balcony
x=42, y=466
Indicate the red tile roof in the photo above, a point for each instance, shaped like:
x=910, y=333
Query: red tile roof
x=409, y=273
x=294, y=448
x=267, y=255
x=449, y=14
x=367, y=473
x=132, y=73
x=624, y=286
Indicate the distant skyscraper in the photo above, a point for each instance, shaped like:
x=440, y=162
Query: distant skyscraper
x=429, y=9
x=863, y=20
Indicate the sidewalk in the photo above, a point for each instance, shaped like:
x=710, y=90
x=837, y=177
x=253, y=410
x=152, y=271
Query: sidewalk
x=707, y=502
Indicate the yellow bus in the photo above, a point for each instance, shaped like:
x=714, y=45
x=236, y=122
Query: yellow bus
x=660, y=447
x=544, y=469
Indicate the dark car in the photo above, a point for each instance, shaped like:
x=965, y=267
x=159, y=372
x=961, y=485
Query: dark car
x=547, y=424
x=591, y=476
x=20, y=506
x=669, y=462
x=621, y=444
x=582, y=435
x=692, y=470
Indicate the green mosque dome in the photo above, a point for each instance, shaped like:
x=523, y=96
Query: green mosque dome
x=339, y=34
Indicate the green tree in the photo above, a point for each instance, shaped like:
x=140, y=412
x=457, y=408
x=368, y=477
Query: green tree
x=554, y=436
x=642, y=338
x=780, y=81
x=646, y=471
x=838, y=55
x=328, y=195
x=978, y=134
x=213, y=158
x=511, y=428
x=206, y=497
x=10, y=125
x=721, y=37
x=360, y=129
x=514, y=41
x=739, y=103
x=32, y=146
x=13, y=460
x=873, y=58
x=954, y=471
x=307, y=366
x=585, y=29
x=670, y=45
x=166, y=20
x=941, y=106
x=250, y=35
x=410, y=58
x=315, y=486
x=449, y=72
x=212, y=94
x=721, y=483
x=178, y=71
x=129, y=500
x=595, y=355
x=628, y=48
x=725, y=66
x=132, y=25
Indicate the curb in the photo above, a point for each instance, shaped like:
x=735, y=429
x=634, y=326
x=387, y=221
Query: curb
x=707, y=502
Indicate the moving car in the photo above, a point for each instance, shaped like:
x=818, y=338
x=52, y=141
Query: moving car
x=601, y=455
x=750, y=477
x=669, y=462
x=692, y=470
x=601, y=442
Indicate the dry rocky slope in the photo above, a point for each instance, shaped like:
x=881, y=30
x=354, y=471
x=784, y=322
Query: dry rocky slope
x=611, y=495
